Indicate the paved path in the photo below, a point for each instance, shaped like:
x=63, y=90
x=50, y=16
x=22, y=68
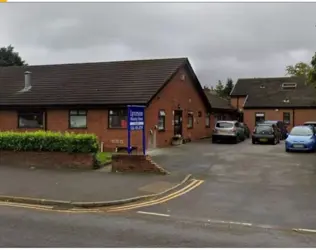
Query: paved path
x=258, y=184
x=31, y=228
x=79, y=185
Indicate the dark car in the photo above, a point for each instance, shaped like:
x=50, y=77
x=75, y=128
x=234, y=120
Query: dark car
x=266, y=133
x=246, y=129
x=281, y=126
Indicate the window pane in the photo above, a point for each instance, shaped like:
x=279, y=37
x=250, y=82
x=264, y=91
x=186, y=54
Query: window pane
x=31, y=120
x=73, y=112
x=78, y=121
x=116, y=121
x=161, y=123
x=207, y=121
x=82, y=112
x=190, y=121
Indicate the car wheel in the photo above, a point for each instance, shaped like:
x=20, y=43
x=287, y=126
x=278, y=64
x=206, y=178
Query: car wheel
x=286, y=150
x=253, y=141
x=275, y=141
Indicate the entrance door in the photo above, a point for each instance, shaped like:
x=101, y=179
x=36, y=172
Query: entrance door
x=177, y=122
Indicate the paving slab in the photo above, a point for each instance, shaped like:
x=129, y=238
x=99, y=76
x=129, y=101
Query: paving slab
x=80, y=186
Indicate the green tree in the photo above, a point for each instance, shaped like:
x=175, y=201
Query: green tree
x=312, y=77
x=228, y=88
x=219, y=89
x=301, y=69
x=8, y=57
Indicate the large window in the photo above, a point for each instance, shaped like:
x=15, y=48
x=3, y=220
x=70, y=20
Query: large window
x=207, y=120
x=118, y=118
x=161, y=120
x=31, y=119
x=77, y=119
x=259, y=118
x=287, y=118
x=190, y=119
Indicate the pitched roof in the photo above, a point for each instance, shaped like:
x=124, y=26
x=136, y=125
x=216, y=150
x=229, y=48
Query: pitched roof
x=269, y=93
x=216, y=101
x=108, y=83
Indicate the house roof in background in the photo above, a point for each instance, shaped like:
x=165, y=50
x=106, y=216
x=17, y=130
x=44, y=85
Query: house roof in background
x=108, y=83
x=217, y=102
x=269, y=93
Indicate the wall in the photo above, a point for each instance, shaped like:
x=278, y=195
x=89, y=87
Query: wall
x=271, y=114
x=237, y=102
x=184, y=94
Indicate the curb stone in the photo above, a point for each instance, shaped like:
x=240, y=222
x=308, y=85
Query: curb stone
x=79, y=204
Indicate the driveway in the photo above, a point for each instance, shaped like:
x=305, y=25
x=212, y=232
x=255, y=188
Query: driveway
x=249, y=183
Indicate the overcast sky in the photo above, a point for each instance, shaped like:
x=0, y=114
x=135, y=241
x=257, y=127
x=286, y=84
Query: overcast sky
x=220, y=39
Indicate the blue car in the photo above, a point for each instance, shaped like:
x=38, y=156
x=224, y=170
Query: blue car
x=301, y=138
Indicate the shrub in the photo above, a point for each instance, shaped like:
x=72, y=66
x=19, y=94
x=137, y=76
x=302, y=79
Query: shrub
x=48, y=141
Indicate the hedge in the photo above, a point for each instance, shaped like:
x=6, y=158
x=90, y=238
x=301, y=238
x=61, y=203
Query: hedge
x=48, y=141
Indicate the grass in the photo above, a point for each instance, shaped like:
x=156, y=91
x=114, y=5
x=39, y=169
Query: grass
x=104, y=157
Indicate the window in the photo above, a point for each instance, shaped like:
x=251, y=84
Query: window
x=161, y=120
x=207, y=120
x=30, y=119
x=259, y=118
x=287, y=118
x=118, y=118
x=190, y=119
x=77, y=119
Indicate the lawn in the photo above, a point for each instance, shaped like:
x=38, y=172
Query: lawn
x=104, y=157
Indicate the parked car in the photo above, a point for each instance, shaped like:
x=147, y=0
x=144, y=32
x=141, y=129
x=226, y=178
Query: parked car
x=246, y=129
x=301, y=138
x=266, y=133
x=228, y=130
x=311, y=123
x=281, y=126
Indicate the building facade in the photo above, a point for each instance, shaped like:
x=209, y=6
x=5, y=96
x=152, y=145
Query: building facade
x=93, y=98
x=287, y=99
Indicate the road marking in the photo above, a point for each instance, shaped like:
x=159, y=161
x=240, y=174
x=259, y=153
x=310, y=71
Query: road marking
x=186, y=189
x=304, y=230
x=150, y=213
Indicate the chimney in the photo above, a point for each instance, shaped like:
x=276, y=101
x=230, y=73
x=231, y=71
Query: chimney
x=27, y=80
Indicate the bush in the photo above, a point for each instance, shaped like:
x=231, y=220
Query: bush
x=48, y=141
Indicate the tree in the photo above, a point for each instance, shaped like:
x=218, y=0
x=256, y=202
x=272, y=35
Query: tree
x=219, y=89
x=228, y=88
x=8, y=57
x=302, y=69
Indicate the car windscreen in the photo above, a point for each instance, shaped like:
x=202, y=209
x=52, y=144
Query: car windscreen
x=262, y=128
x=224, y=125
x=301, y=131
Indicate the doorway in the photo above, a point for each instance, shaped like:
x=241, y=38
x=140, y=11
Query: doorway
x=177, y=122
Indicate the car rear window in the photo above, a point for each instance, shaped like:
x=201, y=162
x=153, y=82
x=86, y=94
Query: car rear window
x=301, y=131
x=263, y=128
x=224, y=125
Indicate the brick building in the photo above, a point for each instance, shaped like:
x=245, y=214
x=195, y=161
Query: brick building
x=287, y=99
x=221, y=108
x=93, y=98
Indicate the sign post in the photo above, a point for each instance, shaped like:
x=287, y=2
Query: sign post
x=135, y=121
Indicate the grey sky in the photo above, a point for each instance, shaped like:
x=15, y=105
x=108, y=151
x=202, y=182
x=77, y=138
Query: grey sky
x=221, y=39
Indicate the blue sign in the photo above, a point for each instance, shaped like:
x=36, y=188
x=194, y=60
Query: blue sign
x=136, y=118
x=136, y=121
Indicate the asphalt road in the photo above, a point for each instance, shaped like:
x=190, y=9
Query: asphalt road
x=30, y=228
x=259, y=184
x=252, y=196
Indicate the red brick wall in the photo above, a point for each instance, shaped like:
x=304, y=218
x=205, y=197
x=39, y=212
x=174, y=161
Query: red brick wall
x=181, y=93
x=177, y=92
x=300, y=116
x=237, y=102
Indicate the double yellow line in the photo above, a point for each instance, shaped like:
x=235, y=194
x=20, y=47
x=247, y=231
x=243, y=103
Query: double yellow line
x=194, y=183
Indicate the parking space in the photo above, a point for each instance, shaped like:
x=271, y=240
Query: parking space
x=245, y=182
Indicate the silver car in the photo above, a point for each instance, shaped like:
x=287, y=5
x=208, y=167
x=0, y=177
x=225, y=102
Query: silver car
x=228, y=131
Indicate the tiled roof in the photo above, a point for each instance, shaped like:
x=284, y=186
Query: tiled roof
x=108, y=83
x=216, y=101
x=268, y=92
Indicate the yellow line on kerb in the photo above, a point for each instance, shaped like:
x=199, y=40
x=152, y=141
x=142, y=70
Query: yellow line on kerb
x=3, y=1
